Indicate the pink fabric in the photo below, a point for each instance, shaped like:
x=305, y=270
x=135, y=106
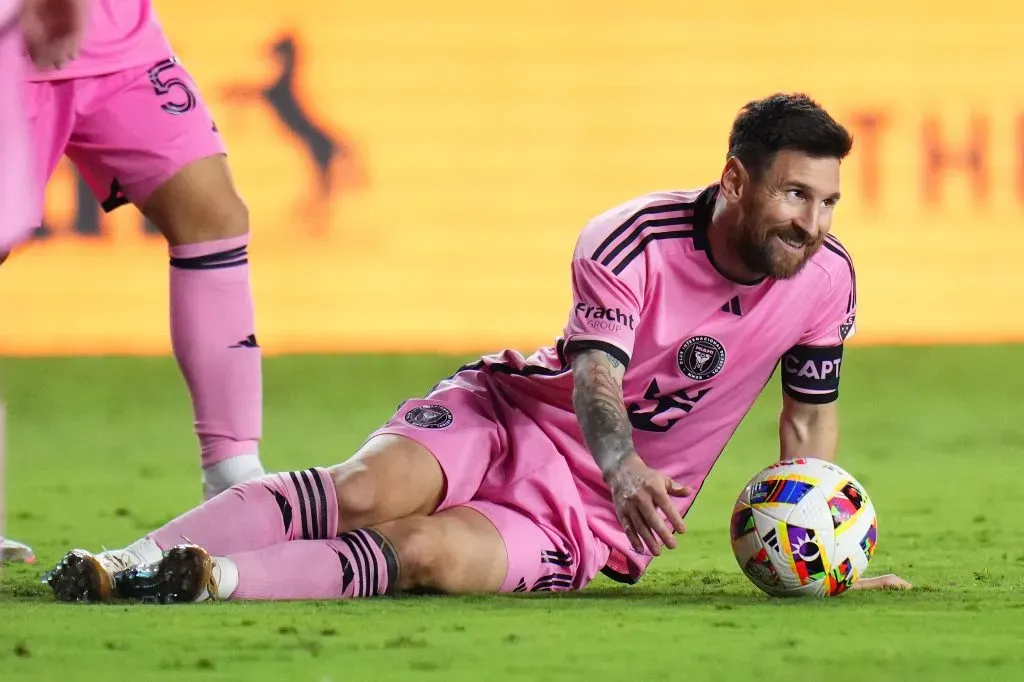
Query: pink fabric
x=347, y=567
x=257, y=514
x=700, y=349
x=119, y=35
x=125, y=138
x=19, y=181
x=213, y=336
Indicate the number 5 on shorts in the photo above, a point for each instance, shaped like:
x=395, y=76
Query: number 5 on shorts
x=165, y=87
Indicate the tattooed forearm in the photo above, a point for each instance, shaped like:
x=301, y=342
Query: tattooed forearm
x=600, y=410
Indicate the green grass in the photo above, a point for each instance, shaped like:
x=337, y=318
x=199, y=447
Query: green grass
x=101, y=450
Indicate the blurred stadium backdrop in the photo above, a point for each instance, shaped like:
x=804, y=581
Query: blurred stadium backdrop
x=417, y=172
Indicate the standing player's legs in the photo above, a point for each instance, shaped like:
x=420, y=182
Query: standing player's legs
x=17, y=175
x=15, y=195
x=146, y=137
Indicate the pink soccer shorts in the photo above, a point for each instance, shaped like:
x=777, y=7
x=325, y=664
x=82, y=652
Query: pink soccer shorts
x=126, y=132
x=500, y=463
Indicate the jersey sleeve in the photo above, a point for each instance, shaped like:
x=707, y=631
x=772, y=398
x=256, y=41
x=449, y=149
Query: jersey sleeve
x=606, y=304
x=811, y=368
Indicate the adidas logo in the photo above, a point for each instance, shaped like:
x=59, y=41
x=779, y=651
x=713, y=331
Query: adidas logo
x=732, y=306
x=772, y=540
x=247, y=342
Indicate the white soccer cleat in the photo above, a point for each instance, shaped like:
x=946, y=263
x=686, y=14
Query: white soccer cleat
x=12, y=552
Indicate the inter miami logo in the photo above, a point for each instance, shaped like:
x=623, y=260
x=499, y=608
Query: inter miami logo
x=701, y=357
x=429, y=417
x=658, y=412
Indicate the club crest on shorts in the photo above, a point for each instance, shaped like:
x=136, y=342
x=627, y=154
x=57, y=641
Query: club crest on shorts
x=701, y=357
x=429, y=417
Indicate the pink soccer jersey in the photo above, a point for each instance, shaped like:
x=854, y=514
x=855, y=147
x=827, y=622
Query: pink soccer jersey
x=119, y=35
x=699, y=347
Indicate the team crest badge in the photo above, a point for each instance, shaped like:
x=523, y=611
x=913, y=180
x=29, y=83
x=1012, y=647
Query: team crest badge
x=847, y=328
x=429, y=417
x=701, y=357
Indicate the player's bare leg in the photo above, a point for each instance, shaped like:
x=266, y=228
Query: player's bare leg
x=389, y=478
x=456, y=551
x=213, y=333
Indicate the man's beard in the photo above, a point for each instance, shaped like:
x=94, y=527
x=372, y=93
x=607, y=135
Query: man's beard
x=761, y=252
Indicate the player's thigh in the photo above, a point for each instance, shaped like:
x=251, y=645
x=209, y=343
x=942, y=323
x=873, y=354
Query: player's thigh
x=145, y=136
x=455, y=551
x=49, y=107
x=432, y=454
x=477, y=548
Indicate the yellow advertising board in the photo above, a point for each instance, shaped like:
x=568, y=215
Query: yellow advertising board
x=455, y=148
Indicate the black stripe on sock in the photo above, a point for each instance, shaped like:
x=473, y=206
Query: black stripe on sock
x=323, y=503
x=391, y=558
x=222, y=259
x=362, y=567
x=313, y=514
x=370, y=584
x=302, y=504
x=286, y=509
x=346, y=571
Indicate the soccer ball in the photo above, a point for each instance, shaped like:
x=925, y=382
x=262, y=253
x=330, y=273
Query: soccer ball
x=803, y=528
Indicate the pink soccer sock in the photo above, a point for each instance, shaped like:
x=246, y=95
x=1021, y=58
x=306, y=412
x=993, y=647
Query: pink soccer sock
x=361, y=563
x=299, y=505
x=214, y=338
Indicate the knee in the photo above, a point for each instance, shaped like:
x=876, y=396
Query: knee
x=199, y=204
x=226, y=217
x=357, y=495
x=232, y=219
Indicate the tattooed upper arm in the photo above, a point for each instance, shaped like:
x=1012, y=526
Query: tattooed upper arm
x=600, y=409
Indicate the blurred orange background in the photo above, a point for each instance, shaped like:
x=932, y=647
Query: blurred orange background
x=474, y=141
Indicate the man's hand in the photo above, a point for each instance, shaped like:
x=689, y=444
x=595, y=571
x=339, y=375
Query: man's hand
x=637, y=490
x=882, y=582
x=53, y=30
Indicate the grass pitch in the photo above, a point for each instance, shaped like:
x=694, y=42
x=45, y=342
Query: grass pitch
x=101, y=451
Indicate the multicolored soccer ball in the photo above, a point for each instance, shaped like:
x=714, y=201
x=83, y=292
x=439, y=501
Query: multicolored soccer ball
x=804, y=528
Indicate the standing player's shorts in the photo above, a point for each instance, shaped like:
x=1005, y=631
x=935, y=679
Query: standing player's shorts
x=499, y=461
x=16, y=173
x=127, y=132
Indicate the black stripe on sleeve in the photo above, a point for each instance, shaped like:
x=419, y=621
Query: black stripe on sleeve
x=574, y=347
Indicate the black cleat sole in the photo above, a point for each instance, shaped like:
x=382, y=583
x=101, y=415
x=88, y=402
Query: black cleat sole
x=79, y=577
x=184, y=573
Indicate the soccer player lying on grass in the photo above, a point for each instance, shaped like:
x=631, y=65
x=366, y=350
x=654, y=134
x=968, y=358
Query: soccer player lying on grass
x=532, y=474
